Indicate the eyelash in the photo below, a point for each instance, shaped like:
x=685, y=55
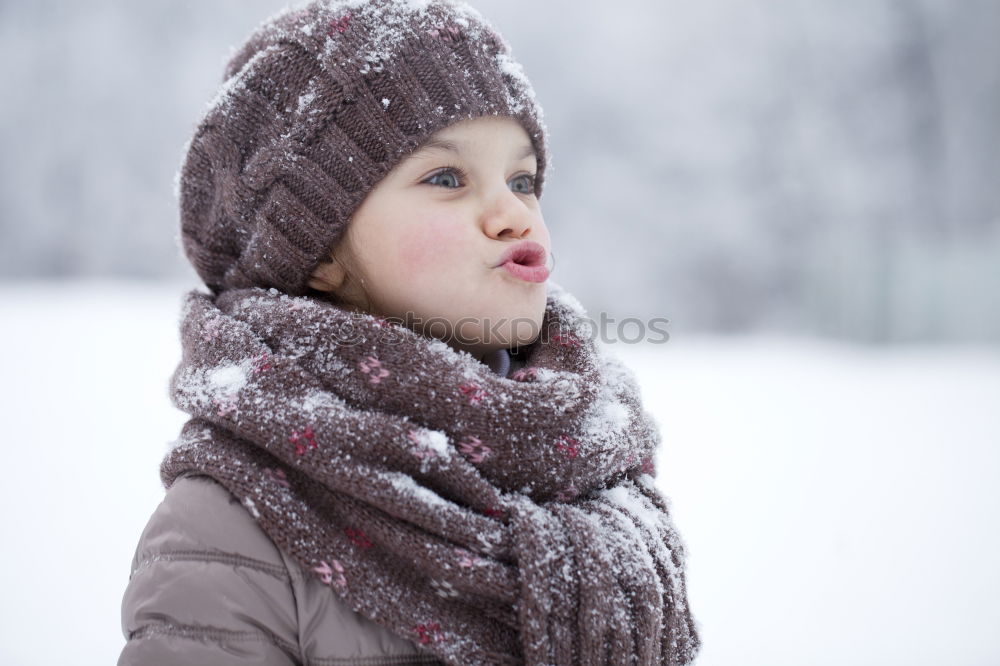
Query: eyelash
x=462, y=176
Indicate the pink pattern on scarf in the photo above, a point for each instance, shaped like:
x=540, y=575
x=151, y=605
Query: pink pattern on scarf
x=568, y=445
x=339, y=25
x=525, y=374
x=328, y=571
x=449, y=34
x=357, y=537
x=566, y=340
x=373, y=367
x=306, y=436
x=261, y=363
x=429, y=632
x=473, y=449
x=277, y=476
x=472, y=392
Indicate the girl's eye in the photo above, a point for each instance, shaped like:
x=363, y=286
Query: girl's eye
x=449, y=178
x=524, y=184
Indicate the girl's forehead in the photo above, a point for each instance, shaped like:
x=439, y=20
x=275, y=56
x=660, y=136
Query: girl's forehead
x=468, y=148
x=469, y=136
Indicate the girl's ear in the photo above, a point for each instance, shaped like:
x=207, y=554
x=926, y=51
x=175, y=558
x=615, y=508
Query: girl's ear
x=328, y=276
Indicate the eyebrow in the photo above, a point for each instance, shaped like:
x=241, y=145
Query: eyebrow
x=451, y=147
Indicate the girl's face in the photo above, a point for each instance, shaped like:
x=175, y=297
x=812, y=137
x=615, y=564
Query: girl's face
x=425, y=246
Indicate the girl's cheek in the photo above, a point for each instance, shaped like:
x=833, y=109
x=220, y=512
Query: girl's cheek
x=426, y=243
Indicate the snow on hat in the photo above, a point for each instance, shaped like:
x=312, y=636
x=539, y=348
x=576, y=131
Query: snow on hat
x=319, y=104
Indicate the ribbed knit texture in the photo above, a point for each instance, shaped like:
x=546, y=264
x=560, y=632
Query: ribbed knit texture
x=488, y=519
x=317, y=107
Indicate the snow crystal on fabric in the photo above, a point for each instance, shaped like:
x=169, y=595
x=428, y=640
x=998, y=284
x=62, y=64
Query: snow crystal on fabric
x=237, y=82
x=514, y=69
x=435, y=440
x=392, y=23
x=614, y=416
x=609, y=414
x=203, y=387
x=227, y=379
x=315, y=401
x=563, y=390
x=407, y=485
x=646, y=480
x=636, y=505
x=251, y=507
x=307, y=98
x=616, y=371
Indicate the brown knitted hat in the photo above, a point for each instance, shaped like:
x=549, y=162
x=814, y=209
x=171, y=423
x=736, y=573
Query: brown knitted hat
x=317, y=107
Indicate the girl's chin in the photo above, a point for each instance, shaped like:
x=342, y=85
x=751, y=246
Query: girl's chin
x=500, y=329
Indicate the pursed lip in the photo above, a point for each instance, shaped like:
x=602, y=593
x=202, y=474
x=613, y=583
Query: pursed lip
x=526, y=261
x=525, y=253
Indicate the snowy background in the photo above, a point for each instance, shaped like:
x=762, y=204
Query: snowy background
x=806, y=189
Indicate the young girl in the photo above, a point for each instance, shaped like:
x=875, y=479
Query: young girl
x=404, y=446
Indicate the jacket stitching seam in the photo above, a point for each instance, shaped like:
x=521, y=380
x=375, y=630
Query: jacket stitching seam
x=381, y=660
x=274, y=570
x=217, y=635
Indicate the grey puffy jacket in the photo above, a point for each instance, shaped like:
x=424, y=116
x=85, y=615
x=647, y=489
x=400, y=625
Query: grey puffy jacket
x=209, y=587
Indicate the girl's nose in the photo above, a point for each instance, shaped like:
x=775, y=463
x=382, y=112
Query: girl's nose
x=509, y=217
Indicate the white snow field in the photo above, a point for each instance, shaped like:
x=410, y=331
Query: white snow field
x=840, y=505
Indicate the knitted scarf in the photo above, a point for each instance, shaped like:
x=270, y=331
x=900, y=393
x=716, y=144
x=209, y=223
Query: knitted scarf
x=489, y=519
